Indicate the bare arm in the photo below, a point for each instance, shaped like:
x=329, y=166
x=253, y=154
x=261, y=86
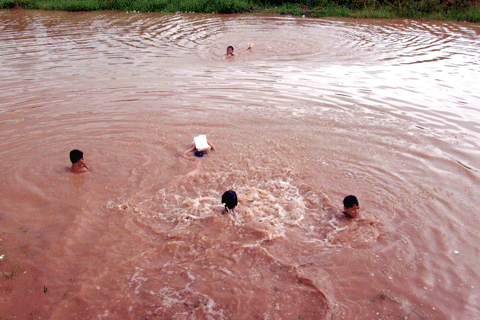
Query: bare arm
x=84, y=164
x=250, y=46
x=211, y=145
x=79, y=167
x=186, y=152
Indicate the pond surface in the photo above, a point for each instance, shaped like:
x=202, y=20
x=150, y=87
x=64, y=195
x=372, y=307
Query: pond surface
x=318, y=109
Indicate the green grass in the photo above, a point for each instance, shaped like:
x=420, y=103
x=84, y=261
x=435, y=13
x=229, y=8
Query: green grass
x=471, y=14
x=454, y=10
x=217, y=6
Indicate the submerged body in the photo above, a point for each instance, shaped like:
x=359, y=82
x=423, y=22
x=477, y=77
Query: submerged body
x=79, y=165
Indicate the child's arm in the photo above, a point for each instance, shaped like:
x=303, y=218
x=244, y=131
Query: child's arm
x=84, y=164
x=211, y=145
x=250, y=46
x=186, y=152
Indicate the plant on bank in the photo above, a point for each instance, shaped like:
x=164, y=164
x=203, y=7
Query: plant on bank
x=457, y=10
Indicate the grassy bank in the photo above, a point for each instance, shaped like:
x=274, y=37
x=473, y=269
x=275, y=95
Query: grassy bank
x=454, y=10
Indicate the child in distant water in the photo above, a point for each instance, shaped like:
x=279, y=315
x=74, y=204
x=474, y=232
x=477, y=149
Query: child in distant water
x=230, y=50
x=351, y=209
x=78, y=162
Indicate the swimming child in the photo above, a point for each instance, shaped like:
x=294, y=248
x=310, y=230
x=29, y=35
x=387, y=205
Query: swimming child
x=78, y=162
x=200, y=148
x=230, y=49
x=229, y=198
x=351, y=209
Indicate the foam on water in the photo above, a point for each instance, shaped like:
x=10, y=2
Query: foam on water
x=271, y=201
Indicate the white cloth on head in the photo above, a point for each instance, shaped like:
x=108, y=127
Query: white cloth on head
x=201, y=143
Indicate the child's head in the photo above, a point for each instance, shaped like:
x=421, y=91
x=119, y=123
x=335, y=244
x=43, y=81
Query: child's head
x=229, y=198
x=230, y=50
x=350, y=207
x=199, y=154
x=76, y=155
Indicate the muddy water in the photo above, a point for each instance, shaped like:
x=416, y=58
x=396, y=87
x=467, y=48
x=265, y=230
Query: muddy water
x=317, y=110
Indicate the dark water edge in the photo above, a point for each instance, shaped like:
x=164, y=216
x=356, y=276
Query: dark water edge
x=446, y=10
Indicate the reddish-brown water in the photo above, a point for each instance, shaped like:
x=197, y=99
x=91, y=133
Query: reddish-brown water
x=317, y=110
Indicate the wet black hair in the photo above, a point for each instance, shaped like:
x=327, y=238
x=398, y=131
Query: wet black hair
x=350, y=201
x=229, y=198
x=199, y=154
x=230, y=47
x=76, y=155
